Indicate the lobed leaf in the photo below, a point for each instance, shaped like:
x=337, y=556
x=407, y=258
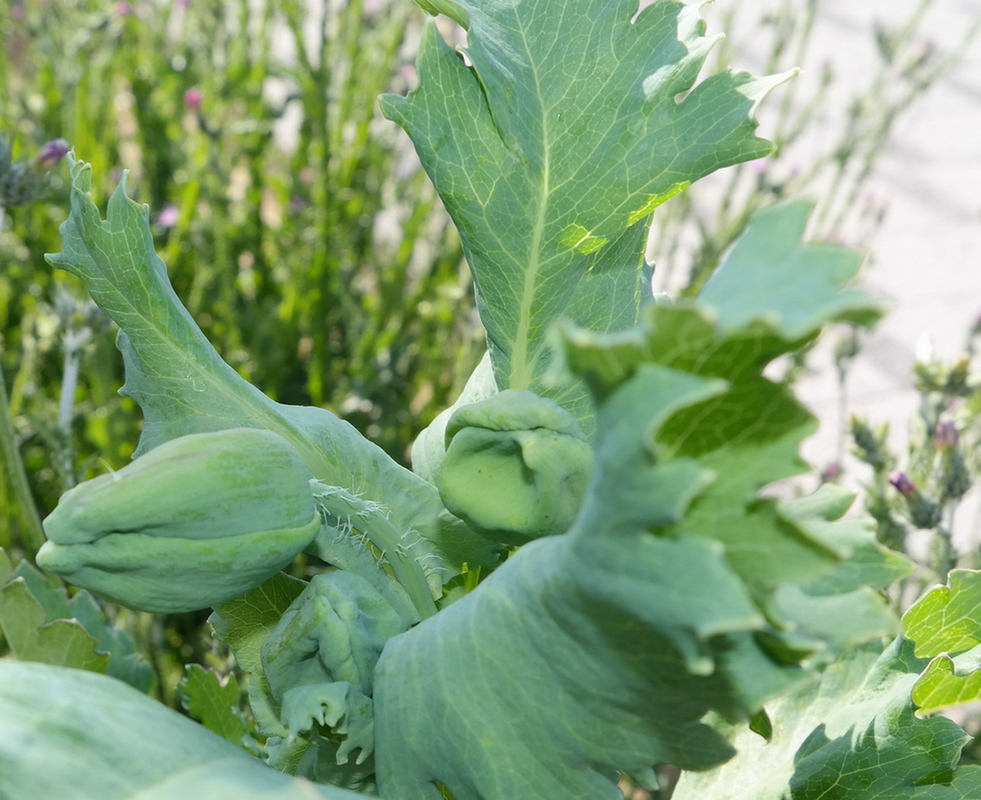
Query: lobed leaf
x=551, y=139
x=944, y=623
x=214, y=701
x=851, y=734
x=678, y=591
x=948, y=618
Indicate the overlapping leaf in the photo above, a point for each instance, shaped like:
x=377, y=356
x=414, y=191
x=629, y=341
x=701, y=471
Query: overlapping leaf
x=945, y=624
x=850, y=736
x=72, y=734
x=40, y=623
x=609, y=622
x=659, y=604
x=552, y=142
x=749, y=435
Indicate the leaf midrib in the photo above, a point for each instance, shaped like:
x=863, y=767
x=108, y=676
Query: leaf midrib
x=521, y=367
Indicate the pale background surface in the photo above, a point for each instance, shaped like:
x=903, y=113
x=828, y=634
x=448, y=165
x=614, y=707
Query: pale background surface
x=925, y=259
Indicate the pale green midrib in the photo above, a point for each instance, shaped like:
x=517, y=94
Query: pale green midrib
x=522, y=367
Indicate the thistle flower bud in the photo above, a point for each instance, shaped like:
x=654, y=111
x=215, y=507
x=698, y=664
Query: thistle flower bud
x=195, y=522
x=902, y=483
x=50, y=154
x=946, y=435
x=516, y=467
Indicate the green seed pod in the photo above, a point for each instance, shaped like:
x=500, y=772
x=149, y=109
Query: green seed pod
x=195, y=522
x=516, y=467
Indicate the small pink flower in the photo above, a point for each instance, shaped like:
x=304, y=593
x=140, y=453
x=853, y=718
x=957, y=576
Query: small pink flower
x=184, y=3
x=50, y=154
x=193, y=98
x=168, y=217
x=759, y=165
x=122, y=9
x=830, y=472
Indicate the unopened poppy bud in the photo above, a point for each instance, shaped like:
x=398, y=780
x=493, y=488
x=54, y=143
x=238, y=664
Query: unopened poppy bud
x=195, y=522
x=516, y=467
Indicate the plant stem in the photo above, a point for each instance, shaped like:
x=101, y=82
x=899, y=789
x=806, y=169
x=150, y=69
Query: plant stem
x=945, y=532
x=33, y=535
x=73, y=342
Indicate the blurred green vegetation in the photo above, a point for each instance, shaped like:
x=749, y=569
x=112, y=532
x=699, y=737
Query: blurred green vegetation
x=295, y=223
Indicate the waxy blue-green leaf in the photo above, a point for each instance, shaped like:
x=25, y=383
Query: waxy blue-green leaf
x=852, y=735
x=76, y=735
x=610, y=622
x=184, y=387
x=750, y=434
x=660, y=603
x=550, y=144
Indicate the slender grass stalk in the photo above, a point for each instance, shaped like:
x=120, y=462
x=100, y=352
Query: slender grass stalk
x=946, y=557
x=33, y=535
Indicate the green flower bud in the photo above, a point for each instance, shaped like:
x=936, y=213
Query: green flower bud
x=516, y=467
x=193, y=523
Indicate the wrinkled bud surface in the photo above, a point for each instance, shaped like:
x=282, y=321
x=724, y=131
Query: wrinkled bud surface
x=516, y=467
x=902, y=483
x=193, y=523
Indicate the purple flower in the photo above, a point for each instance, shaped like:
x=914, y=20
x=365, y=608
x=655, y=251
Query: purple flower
x=946, y=435
x=902, y=483
x=168, y=217
x=184, y=3
x=50, y=154
x=193, y=98
x=830, y=472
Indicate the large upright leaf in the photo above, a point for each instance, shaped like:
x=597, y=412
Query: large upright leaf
x=584, y=653
x=678, y=590
x=553, y=140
